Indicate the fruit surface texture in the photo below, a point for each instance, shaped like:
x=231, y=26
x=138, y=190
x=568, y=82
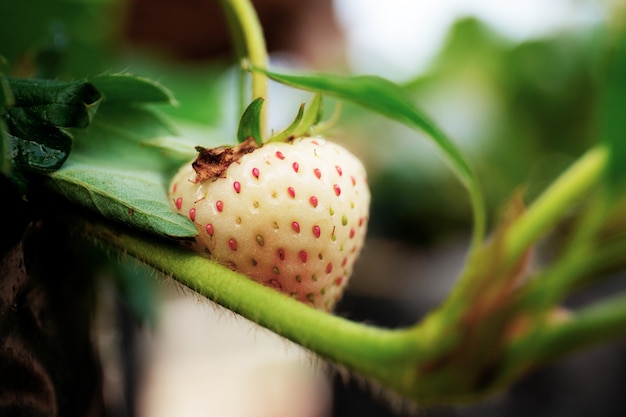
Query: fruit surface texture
x=290, y=215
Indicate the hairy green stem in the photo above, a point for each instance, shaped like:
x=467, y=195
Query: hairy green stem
x=556, y=201
x=248, y=36
x=383, y=355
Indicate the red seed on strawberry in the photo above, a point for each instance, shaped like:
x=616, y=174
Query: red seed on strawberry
x=283, y=215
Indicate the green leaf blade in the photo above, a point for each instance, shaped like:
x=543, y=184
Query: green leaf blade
x=388, y=99
x=127, y=88
x=134, y=198
x=383, y=97
x=58, y=103
x=37, y=147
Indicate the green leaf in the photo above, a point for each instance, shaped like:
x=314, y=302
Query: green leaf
x=121, y=134
x=386, y=98
x=250, y=123
x=35, y=146
x=381, y=96
x=114, y=172
x=59, y=103
x=612, y=117
x=133, y=197
x=36, y=109
x=127, y=88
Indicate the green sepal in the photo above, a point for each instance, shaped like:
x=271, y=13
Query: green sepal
x=311, y=117
x=250, y=123
x=321, y=127
x=288, y=132
x=304, y=122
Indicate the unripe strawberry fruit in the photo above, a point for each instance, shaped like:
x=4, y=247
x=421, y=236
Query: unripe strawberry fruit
x=290, y=215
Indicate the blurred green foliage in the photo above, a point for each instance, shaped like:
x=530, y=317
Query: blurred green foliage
x=66, y=38
x=521, y=111
x=75, y=39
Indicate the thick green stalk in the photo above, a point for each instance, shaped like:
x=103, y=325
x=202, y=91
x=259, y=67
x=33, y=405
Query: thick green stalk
x=384, y=355
x=598, y=323
x=555, y=202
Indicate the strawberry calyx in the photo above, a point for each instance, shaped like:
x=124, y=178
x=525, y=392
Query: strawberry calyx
x=303, y=123
x=212, y=162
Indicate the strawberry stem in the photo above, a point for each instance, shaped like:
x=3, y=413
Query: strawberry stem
x=359, y=347
x=249, y=40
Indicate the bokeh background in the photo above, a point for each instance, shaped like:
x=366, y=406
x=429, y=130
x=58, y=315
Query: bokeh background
x=515, y=85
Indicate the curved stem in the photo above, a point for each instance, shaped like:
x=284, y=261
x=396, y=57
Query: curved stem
x=380, y=354
x=248, y=36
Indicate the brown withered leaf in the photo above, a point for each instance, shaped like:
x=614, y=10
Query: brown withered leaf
x=212, y=162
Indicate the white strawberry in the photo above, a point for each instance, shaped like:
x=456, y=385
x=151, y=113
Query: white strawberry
x=290, y=215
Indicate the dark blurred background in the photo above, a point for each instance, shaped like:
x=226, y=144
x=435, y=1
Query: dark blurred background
x=515, y=87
